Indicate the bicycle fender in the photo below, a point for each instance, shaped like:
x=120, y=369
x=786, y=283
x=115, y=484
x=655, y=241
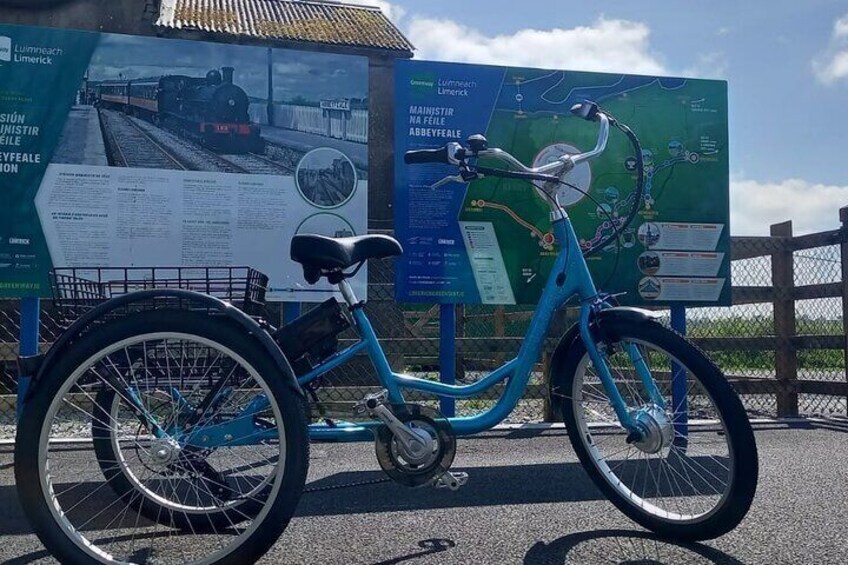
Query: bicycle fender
x=572, y=337
x=38, y=365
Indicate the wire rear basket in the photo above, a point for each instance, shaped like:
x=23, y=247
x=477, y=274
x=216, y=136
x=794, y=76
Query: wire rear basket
x=77, y=290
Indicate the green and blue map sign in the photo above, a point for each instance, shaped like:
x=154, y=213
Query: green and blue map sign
x=490, y=241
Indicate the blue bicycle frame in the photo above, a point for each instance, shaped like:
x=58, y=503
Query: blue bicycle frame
x=570, y=276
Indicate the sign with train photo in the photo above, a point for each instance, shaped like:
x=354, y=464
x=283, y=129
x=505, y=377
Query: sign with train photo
x=132, y=151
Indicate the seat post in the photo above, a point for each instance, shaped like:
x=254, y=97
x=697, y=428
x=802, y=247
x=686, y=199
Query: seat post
x=347, y=293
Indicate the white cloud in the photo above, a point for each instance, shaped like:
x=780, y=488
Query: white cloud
x=754, y=205
x=709, y=65
x=834, y=69
x=832, y=65
x=608, y=45
x=392, y=11
x=840, y=28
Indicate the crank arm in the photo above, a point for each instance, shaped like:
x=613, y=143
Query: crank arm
x=374, y=405
x=399, y=430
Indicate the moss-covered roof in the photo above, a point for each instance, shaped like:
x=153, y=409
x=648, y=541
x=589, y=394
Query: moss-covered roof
x=329, y=23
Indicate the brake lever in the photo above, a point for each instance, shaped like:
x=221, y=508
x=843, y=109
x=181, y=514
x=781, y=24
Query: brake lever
x=447, y=180
x=464, y=175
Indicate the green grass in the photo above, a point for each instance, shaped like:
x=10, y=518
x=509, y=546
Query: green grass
x=763, y=326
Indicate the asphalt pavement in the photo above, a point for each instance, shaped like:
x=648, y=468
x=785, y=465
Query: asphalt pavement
x=529, y=501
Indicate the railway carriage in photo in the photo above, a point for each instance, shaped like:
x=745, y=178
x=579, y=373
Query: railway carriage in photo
x=210, y=110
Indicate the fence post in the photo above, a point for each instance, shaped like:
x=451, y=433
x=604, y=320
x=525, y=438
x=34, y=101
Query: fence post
x=500, y=332
x=843, y=249
x=30, y=320
x=786, y=357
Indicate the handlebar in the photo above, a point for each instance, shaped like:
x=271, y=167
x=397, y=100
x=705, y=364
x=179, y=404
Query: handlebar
x=455, y=154
x=502, y=173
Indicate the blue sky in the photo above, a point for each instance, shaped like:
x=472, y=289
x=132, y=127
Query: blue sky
x=786, y=63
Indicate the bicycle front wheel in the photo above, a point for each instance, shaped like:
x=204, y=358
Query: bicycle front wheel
x=691, y=473
x=163, y=437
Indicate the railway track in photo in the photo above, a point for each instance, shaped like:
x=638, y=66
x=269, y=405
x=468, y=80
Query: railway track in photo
x=258, y=164
x=130, y=146
x=133, y=142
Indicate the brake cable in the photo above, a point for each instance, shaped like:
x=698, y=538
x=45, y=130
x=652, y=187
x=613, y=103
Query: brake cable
x=640, y=187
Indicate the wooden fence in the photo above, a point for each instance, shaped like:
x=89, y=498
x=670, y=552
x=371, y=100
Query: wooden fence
x=477, y=353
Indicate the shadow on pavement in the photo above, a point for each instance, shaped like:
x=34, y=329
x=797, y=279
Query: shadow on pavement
x=140, y=556
x=629, y=547
x=33, y=557
x=528, y=484
x=487, y=486
x=428, y=547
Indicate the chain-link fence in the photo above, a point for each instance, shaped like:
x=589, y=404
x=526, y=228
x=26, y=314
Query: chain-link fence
x=10, y=318
x=9, y=328
x=782, y=343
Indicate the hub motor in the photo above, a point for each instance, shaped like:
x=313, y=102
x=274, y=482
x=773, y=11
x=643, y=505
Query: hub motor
x=656, y=430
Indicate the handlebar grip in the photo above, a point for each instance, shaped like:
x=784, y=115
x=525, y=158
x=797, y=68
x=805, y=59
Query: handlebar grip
x=588, y=110
x=421, y=156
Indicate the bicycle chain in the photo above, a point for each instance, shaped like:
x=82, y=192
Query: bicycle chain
x=348, y=485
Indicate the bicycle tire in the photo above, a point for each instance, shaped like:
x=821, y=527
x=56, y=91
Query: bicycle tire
x=34, y=495
x=743, y=482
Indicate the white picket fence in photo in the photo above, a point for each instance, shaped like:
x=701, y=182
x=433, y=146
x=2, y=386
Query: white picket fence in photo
x=350, y=126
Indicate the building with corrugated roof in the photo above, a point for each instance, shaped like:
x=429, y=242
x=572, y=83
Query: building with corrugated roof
x=332, y=25
x=311, y=25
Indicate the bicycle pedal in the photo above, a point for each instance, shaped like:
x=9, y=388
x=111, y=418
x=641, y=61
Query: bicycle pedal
x=452, y=481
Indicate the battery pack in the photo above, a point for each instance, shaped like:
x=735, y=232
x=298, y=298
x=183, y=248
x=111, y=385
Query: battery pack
x=313, y=337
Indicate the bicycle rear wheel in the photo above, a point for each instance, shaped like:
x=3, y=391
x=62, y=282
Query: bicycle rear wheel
x=693, y=472
x=188, y=482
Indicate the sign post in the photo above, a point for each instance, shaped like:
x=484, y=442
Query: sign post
x=30, y=319
x=679, y=386
x=447, y=354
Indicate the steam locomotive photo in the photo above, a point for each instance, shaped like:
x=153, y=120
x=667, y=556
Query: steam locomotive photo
x=211, y=110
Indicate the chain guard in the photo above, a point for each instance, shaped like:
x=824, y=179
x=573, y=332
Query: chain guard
x=399, y=470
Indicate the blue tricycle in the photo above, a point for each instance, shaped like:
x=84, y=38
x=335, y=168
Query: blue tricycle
x=168, y=425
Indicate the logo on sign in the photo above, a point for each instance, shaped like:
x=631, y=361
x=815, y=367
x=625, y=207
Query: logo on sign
x=5, y=49
x=423, y=83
